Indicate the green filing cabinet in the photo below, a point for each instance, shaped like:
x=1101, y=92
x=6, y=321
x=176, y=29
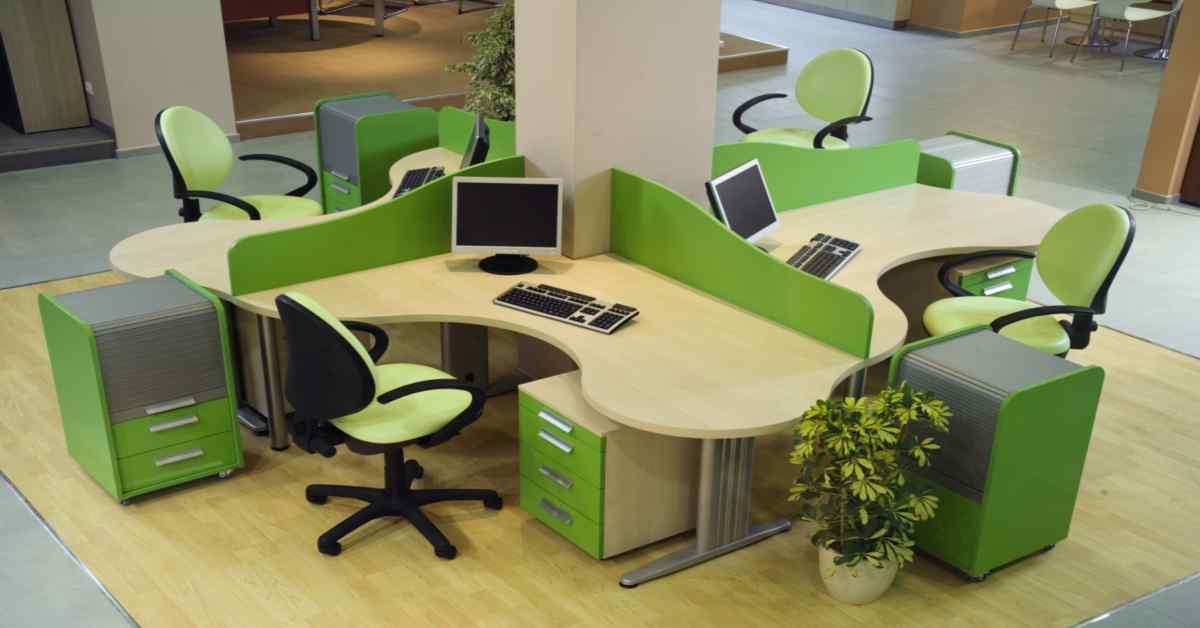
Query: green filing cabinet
x=1009, y=470
x=359, y=138
x=1001, y=276
x=145, y=383
x=603, y=487
x=960, y=161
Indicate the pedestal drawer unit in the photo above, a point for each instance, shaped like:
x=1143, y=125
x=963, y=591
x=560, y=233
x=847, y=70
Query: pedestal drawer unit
x=144, y=382
x=604, y=487
x=1006, y=277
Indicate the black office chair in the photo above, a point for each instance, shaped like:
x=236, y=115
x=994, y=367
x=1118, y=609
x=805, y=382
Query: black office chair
x=341, y=395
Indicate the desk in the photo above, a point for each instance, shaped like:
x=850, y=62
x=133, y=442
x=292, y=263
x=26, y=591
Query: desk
x=691, y=365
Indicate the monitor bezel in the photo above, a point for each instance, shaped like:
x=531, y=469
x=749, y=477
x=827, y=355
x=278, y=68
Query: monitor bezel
x=719, y=207
x=507, y=250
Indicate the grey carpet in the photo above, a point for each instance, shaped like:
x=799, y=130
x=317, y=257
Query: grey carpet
x=42, y=583
x=1176, y=605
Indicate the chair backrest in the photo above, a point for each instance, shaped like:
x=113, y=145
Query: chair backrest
x=836, y=84
x=1080, y=256
x=196, y=148
x=329, y=373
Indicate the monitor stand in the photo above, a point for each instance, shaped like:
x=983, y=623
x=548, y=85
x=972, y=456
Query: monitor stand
x=505, y=264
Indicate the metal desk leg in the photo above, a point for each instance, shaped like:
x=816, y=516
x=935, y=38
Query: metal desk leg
x=723, y=522
x=465, y=352
x=276, y=411
x=380, y=16
x=314, y=20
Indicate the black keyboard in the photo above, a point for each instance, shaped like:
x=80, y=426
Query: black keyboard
x=417, y=177
x=570, y=307
x=824, y=255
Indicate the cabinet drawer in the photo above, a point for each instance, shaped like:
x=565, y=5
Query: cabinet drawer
x=1011, y=270
x=212, y=453
x=561, y=518
x=172, y=427
x=339, y=194
x=562, y=451
x=1001, y=288
x=558, y=423
x=563, y=485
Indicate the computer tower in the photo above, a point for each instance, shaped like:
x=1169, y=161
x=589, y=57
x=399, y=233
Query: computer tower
x=1009, y=469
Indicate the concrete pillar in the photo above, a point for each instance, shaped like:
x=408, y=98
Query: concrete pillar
x=1176, y=116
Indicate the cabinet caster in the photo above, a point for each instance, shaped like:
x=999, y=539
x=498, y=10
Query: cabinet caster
x=124, y=502
x=980, y=578
x=224, y=474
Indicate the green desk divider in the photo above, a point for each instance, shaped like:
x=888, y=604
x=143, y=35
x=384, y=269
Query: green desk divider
x=798, y=177
x=413, y=226
x=455, y=126
x=668, y=233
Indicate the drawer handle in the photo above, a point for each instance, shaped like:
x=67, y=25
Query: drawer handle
x=180, y=457
x=549, y=438
x=1001, y=272
x=174, y=404
x=554, y=476
x=339, y=175
x=339, y=188
x=987, y=292
x=556, y=512
x=562, y=425
x=170, y=425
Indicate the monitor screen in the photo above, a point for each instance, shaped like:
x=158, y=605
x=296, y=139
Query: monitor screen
x=507, y=214
x=740, y=200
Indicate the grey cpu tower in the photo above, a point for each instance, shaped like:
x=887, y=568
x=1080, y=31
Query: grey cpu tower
x=959, y=161
x=358, y=139
x=1009, y=469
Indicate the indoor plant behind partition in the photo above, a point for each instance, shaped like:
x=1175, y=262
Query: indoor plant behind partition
x=493, y=68
x=853, y=455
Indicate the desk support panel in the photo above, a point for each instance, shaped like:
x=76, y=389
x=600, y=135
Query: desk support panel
x=723, y=521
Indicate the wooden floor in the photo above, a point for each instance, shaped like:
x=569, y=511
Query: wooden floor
x=241, y=552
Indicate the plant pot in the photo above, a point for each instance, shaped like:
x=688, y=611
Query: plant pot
x=861, y=584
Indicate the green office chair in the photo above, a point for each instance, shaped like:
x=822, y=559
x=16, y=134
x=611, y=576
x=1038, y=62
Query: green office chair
x=201, y=157
x=1078, y=259
x=834, y=87
x=341, y=395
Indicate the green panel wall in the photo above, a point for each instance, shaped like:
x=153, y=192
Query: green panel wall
x=455, y=126
x=798, y=177
x=384, y=138
x=660, y=229
x=410, y=227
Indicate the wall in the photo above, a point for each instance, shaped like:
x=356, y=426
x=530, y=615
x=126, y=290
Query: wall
x=974, y=16
x=883, y=13
x=1176, y=116
x=91, y=65
x=149, y=55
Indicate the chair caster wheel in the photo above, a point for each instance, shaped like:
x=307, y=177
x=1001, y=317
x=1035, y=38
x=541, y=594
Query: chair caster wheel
x=315, y=499
x=414, y=470
x=447, y=552
x=329, y=549
x=495, y=503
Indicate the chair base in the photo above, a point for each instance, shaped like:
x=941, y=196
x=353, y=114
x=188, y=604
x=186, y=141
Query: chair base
x=396, y=499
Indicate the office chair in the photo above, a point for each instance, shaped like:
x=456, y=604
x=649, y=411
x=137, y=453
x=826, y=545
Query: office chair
x=1060, y=7
x=1077, y=259
x=201, y=157
x=834, y=87
x=341, y=395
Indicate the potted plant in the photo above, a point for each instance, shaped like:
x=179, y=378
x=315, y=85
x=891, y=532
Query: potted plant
x=853, y=456
x=493, y=68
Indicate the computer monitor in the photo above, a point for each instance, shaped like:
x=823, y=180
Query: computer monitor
x=477, y=144
x=509, y=218
x=740, y=199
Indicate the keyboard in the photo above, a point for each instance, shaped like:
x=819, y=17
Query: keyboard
x=417, y=177
x=824, y=255
x=569, y=307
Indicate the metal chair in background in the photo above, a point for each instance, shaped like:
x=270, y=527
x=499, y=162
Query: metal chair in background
x=1123, y=11
x=1063, y=7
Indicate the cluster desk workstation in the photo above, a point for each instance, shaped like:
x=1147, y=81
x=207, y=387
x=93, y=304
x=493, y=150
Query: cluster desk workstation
x=653, y=434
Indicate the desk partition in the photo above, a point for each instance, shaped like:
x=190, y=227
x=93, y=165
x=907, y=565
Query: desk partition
x=799, y=177
x=668, y=233
x=413, y=226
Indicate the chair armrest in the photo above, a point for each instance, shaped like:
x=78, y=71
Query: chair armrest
x=957, y=290
x=379, y=344
x=1034, y=312
x=288, y=161
x=464, y=418
x=837, y=125
x=744, y=107
x=224, y=198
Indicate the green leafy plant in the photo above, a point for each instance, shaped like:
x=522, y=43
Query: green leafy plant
x=493, y=68
x=853, y=455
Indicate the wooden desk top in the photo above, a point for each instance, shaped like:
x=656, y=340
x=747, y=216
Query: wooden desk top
x=690, y=365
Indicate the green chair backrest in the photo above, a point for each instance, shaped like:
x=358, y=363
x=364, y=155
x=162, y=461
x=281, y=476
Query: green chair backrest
x=1080, y=255
x=836, y=84
x=198, y=147
x=336, y=325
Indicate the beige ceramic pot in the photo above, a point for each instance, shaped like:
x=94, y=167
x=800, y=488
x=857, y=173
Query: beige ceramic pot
x=862, y=584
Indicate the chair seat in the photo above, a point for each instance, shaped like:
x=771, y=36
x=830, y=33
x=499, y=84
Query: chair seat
x=269, y=206
x=1138, y=14
x=1064, y=5
x=793, y=137
x=955, y=313
x=406, y=418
